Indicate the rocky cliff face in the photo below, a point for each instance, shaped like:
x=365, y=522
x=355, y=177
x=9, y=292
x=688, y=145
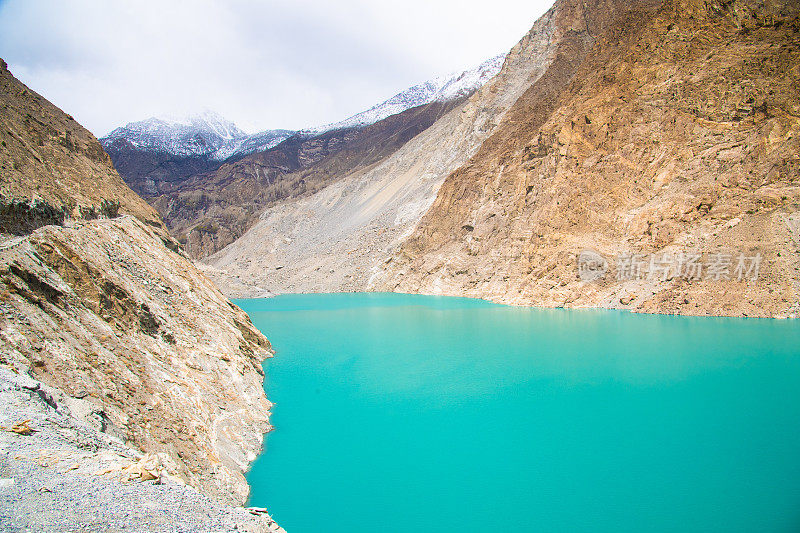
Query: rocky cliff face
x=53, y=168
x=107, y=310
x=342, y=237
x=657, y=134
x=210, y=210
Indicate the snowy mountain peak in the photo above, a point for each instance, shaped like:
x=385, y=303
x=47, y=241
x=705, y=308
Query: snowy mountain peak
x=208, y=121
x=439, y=89
x=205, y=134
x=210, y=135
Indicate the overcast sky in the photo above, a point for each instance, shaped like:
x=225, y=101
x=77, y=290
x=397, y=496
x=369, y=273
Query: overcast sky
x=263, y=64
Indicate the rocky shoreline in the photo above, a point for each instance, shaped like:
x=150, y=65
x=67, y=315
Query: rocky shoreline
x=131, y=389
x=64, y=475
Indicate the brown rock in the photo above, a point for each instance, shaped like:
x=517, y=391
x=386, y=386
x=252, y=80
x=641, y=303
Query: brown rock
x=208, y=205
x=46, y=156
x=665, y=162
x=107, y=308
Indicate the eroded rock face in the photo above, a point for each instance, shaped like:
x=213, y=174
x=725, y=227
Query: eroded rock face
x=67, y=473
x=340, y=238
x=208, y=210
x=105, y=307
x=207, y=205
x=676, y=131
x=47, y=157
x=105, y=312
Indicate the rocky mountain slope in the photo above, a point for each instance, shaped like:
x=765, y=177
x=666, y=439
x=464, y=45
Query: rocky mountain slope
x=342, y=237
x=654, y=144
x=53, y=168
x=210, y=210
x=208, y=204
x=156, y=155
x=109, y=313
x=674, y=135
x=68, y=475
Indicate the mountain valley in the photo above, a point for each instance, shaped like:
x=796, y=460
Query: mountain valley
x=499, y=198
x=624, y=155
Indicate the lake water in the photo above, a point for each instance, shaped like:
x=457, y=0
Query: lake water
x=428, y=414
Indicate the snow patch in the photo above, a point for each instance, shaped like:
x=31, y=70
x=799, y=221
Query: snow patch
x=203, y=135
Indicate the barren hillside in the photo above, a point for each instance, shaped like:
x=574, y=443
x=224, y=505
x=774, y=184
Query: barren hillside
x=676, y=137
x=340, y=237
x=104, y=308
x=51, y=167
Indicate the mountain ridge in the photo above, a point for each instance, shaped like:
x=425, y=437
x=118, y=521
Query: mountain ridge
x=210, y=135
x=440, y=89
x=134, y=343
x=339, y=238
x=195, y=170
x=209, y=210
x=206, y=134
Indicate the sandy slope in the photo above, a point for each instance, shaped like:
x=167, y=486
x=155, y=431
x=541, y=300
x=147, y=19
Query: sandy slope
x=338, y=238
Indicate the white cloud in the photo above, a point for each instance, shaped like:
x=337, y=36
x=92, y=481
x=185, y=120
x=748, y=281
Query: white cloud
x=271, y=64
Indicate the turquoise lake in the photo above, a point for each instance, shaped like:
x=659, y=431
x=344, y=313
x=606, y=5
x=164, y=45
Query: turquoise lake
x=429, y=414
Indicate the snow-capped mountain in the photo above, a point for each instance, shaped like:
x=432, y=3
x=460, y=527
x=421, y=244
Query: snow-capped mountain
x=440, y=89
x=261, y=141
x=212, y=136
x=206, y=134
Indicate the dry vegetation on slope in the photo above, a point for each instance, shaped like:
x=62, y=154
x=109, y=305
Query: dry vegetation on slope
x=678, y=132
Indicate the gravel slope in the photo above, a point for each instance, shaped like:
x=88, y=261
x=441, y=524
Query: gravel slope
x=66, y=476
